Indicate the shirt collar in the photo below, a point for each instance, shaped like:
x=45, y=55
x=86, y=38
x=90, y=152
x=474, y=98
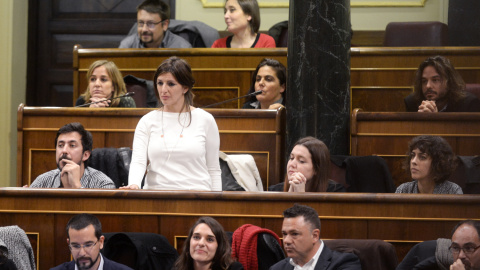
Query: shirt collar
x=310, y=265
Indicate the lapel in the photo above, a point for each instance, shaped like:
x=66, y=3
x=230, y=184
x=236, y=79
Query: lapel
x=324, y=259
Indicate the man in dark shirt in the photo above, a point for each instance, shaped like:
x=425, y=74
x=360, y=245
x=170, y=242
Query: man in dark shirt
x=153, y=18
x=304, y=248
x=439, y=88
x=85, y=239
x=465, y=245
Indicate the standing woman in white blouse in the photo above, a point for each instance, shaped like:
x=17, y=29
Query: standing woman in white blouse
x=177, y=144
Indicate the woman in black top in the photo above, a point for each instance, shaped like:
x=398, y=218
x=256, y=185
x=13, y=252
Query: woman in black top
x=206, y=248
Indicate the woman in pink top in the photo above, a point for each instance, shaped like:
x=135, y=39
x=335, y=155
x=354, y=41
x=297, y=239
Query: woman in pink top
x=243, y=21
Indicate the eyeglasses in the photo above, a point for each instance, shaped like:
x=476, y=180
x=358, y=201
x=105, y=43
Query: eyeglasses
x=467, y=250
x=150, y=25
x=87, y=247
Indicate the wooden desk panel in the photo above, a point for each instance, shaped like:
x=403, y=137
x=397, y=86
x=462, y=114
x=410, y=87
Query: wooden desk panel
x=401, y=219
x=388, y=134
x=380, y=76
x=260, y=133
x=218, y=70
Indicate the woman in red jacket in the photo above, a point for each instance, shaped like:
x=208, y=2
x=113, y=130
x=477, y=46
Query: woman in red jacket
x=243, y=21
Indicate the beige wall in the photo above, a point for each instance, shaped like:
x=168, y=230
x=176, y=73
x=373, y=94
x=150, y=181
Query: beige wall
x=363, y=18
x=13, y=52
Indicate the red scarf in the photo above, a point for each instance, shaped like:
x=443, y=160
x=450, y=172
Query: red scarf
x=244, y=245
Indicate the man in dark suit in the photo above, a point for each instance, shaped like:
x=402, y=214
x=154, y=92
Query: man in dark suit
x=305, y=249
x=85, y=240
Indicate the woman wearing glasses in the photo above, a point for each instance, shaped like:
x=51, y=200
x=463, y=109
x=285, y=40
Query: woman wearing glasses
x=243, y=21
x=430, y=162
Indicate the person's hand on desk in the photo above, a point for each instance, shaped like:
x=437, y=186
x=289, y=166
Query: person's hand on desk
x=70, y=174
x=428, y=106
x=297, y=182
x=104, y=102
x=132, y=186
x=275, y=106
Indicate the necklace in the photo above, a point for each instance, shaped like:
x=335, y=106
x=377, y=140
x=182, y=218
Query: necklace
x=169, y=152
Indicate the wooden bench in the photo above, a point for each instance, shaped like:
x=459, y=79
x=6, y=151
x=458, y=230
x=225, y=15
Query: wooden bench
x=380, y=76
x=401, y=219
x=260, y=133
x=387, y=134
x=220, y=74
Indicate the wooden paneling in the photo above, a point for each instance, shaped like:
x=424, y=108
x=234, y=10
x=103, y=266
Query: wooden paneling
x=400, y=219
x=260, y=133
x=381, y=77
x=55, y=26
x=216, y=71
x=387, y=134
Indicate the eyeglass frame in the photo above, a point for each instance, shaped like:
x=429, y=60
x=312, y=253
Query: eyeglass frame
x=150, y=24
x=84, y=246
x=463, y=248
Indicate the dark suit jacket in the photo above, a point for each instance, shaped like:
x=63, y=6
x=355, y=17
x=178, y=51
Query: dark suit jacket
x=328, y=260
x=107, y=265
x=469, y=104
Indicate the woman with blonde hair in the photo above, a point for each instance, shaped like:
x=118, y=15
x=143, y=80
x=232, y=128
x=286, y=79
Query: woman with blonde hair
x=105, y=85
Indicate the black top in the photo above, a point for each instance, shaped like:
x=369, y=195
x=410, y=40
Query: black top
x=229, y=40
x=8, y=265
x=125, y=102
x=468, y=104
x=235, y=266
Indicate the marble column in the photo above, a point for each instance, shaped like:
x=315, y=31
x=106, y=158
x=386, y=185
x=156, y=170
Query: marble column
x=318, y=96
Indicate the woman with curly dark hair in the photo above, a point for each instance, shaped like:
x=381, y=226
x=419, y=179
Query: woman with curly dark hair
x=206, y=247
x=430, y=162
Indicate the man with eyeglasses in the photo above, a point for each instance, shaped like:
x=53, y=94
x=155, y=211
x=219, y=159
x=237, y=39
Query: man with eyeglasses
x=153, y=18
x=85, y=239
x=438, y=87
x=465, y=245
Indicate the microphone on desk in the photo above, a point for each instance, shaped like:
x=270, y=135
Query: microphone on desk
x=128, y=94
x=233, y=99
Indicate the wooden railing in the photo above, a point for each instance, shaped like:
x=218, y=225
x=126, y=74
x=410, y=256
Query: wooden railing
x=380, y=76
x=387, y=134
x=401, y=219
